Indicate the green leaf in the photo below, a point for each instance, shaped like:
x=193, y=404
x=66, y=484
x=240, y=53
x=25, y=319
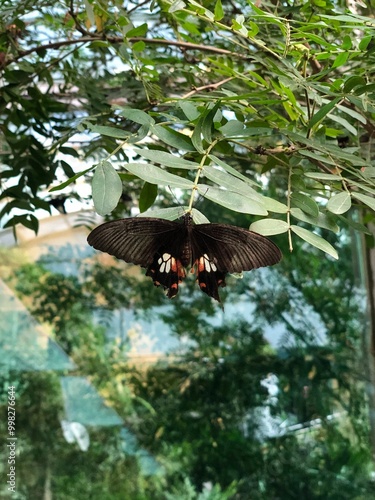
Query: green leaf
x=156, y=175
x=234, y=201
x=208, y=122
x=139, y=46
x=198, y=217
x=269, y=226
x=106, y=188
x=228, y=181
x=166, y=159
x=367, y=200
x=108, y=131
x=363, y=44
x=27, y=220
x=315, y=240
x=90, y=12
x=196, y=138
x=189, y=109
x=137, y=116
x=340, y=60
x=340, y=203
x=218, y=11
x=323, y=111
x=321, y=176
x=170, y=213
x=69, y=181
x=173, y=138
x=147, y=196
x=138, y=31
x=231, y=170
x=233, y=128
x=305, y=203
x=321, y=221
x=274, y=205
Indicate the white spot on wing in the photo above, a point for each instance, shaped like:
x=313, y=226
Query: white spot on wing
x=168, y=266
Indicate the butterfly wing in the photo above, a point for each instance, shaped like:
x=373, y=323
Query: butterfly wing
x=153, y=243
x=219, y=249
x=134, y=240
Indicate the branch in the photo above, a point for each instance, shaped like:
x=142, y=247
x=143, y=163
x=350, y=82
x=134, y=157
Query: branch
x=118, y=39
x=211, y=86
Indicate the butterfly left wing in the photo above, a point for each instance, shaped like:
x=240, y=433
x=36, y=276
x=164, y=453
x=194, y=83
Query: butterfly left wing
x=219, y=249
x=152, y=243
x=167, y=271
x=134, y=240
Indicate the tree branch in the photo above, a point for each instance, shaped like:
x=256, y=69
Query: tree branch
x=118, y=39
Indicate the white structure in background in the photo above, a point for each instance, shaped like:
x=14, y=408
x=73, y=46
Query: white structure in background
x=74, y=432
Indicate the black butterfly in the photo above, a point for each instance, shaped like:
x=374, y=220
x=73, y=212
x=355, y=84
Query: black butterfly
x=165, y=248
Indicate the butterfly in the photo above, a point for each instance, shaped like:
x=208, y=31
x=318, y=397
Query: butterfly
x=166, y=248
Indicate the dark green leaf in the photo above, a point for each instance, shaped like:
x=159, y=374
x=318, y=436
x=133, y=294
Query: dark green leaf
x=305, y=203
x=147, y=196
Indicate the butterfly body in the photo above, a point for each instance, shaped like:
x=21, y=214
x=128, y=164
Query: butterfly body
x=166, y=248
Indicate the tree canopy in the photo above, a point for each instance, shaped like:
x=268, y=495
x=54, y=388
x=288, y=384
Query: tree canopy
x=211, y=98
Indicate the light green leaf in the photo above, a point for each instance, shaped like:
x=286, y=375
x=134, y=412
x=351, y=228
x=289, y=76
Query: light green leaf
x=315, y=240
x=340, y=59
x=170, y=213
x=321, y=221
x=274, y=205
x=166, y=159
x=340, y=203
x=234, y=201
x=137, y=116
x=349, y=127
x=90, y=12
x=233, y=128
x=230, y=182
x=156, y=175
x=231, y=170
x=106, y=188
x=176, y=6
x=269, y=226
x=305, y=203
x=321, y=176
x=367, y=200
x=189, y=109
x=198, y=217
x=218, y=11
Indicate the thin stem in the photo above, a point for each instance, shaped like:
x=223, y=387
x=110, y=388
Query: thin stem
x=198, y=174
x=288, y=205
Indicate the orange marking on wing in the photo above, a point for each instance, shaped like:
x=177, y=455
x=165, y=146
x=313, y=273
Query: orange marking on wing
x=201, y=264
x=174, y=265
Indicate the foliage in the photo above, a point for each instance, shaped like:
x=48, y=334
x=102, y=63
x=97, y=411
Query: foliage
x=227, y=95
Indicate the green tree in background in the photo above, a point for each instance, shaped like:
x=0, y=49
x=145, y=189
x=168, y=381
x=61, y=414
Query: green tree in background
x=203, y=413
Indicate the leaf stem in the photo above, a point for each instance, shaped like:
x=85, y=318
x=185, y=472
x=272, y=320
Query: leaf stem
x=198, y=174
x=288, y=205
